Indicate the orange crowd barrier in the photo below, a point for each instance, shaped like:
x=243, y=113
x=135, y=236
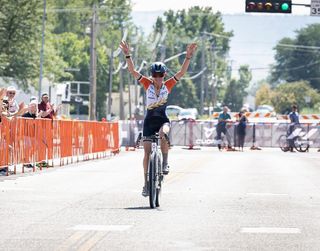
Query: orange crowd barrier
x=5, y=141
x=32, y=142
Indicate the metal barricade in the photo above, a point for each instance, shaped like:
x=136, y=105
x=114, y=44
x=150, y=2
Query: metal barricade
x=191, y=133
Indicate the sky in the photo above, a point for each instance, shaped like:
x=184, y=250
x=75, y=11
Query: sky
x=224, y=6
x=248, y=46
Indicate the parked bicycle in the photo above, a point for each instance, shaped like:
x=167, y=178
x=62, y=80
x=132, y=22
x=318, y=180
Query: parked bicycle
x=155, y=173
x=299, y=141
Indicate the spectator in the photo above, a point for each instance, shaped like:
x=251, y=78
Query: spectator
x=47, y=110
x=224, y=117
x=5, y=107
x=9, y=106
x=3, y=104
x=13, y=108
x=294, y=122
x=241, y=129
x=32, y=110
x=33, y=98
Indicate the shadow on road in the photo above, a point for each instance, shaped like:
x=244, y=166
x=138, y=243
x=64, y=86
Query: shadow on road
x=138, y=208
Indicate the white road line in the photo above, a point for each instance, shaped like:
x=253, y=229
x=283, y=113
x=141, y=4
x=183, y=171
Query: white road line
x=101, y=227
x=270, y=230
x=267, y=194
x=16, y=189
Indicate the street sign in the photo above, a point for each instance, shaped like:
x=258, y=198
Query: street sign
x=315, y=8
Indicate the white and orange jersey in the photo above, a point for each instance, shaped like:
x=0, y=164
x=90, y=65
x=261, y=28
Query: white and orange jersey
x=156, y=104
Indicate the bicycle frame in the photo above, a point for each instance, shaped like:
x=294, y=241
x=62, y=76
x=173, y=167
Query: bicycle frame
x=155, y=175
x=298, y=141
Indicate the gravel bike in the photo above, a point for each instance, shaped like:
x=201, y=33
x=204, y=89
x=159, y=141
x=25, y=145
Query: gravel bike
x=155, y=174
x=300, y=143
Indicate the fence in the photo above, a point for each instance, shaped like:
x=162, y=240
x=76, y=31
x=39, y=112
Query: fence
x=26, y=141
x=203, y=133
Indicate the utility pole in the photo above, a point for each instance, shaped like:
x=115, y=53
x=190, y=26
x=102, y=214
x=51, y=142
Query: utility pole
x=93, y=65
x=129, y=93
x=121, y=115
x=135, y=81
x=110, y=83
x=42, y=47
x=213, y=76
x=203, y=75
x=162, y=52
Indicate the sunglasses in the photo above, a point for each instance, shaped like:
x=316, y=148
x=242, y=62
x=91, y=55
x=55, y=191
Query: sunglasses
x=158, y=75
x=12, y=93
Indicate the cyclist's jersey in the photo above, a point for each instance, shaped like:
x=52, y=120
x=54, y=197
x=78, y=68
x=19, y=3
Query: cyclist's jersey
x=156, y=104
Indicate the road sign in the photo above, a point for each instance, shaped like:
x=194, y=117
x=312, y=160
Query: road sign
x=315, y=8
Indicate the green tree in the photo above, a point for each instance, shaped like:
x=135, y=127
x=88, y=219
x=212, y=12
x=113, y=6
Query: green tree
x=264, y=95
x=183, y=27
x=297, y=59
x=19, y=39
x=287, y=94
x=236, y=90
x=72, y=43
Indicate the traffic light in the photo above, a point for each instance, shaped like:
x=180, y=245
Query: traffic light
x=269, y=6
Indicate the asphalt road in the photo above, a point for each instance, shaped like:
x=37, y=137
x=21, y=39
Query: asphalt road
x=252, y=200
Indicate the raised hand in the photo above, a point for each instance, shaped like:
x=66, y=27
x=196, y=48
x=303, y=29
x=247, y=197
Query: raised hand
x=125, y=48
x=2, y=92
x=21, y=106
x=191, y=48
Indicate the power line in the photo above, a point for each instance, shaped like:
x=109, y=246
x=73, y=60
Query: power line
x=302, y=66
x=299, y=46
x=84, y=9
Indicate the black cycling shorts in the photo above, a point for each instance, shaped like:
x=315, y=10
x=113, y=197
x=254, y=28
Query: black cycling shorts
x=153, y=125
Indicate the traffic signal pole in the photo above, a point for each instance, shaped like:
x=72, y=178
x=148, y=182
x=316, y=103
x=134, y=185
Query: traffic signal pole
x=93, y=65
x=301, y=4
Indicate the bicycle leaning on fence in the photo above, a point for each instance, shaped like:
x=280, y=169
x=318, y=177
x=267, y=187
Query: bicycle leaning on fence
x=155, y=172
x=298, y=138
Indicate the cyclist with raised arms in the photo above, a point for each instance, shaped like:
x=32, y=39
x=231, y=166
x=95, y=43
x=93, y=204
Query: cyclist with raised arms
x=157, y=91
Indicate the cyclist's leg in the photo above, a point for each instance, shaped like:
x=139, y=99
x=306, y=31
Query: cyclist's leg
x=165, y=129
x=148, y=130
x=147, y=150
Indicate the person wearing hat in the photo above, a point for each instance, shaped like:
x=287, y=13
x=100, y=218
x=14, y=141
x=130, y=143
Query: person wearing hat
x=32, y=110
x=45, y=108
x=14, y=108
x=10, y=106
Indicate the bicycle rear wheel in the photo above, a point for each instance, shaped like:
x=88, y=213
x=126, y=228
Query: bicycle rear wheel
x=283, y=143
x=152, y=181
x=300, y=144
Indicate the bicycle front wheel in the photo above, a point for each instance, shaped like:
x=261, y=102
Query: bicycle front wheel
x=159, y=180
x=283, y=143
x=152, y=181
x=301, y=145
